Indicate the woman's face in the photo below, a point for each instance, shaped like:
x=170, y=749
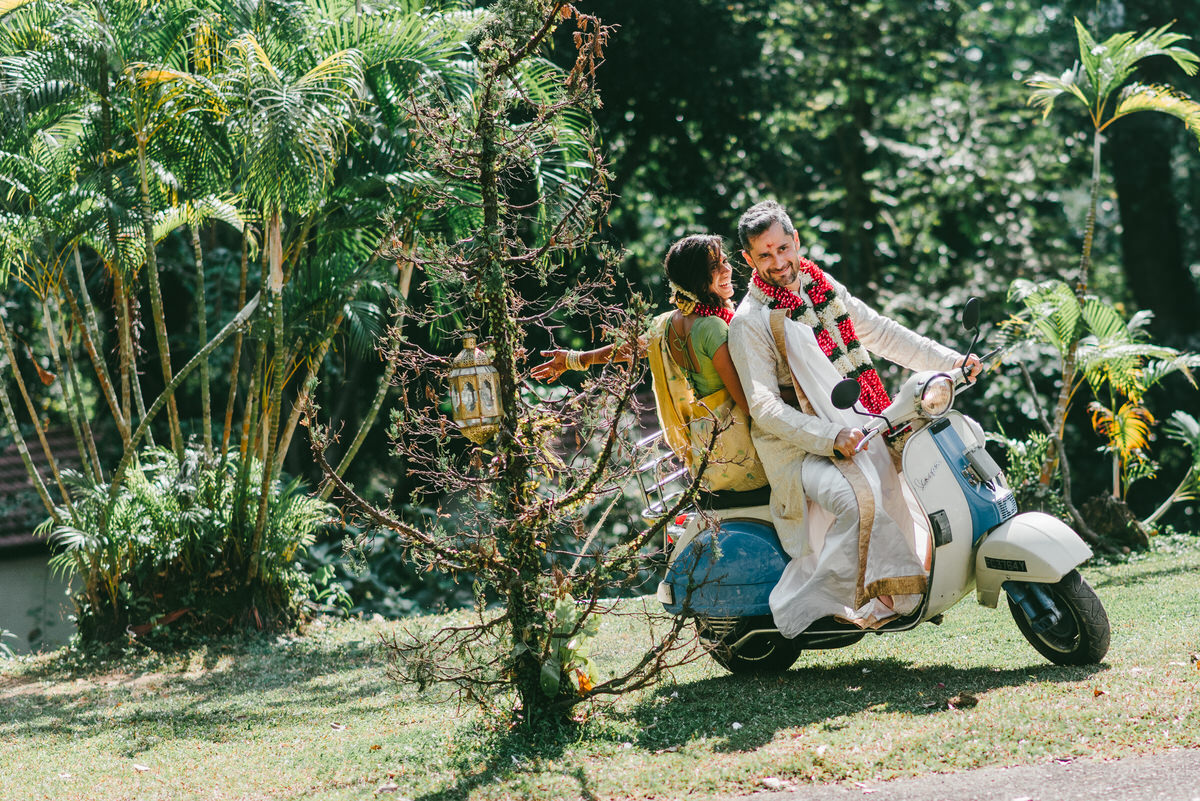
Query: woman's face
x=722, y=279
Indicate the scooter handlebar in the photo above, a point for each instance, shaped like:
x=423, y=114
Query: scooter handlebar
x=871, y=434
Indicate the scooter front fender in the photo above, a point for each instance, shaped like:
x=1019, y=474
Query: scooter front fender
x=1033, y=547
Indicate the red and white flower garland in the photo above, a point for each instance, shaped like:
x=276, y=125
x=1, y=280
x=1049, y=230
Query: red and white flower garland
x=827, y=315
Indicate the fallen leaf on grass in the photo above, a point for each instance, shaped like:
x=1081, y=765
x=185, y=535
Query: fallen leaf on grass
x=387, y=787
x=1097, y=692
x=962, y=701
x=338, y=726
x=773, y=783
x=376, y=747
x=140, y=768
x=670, y=749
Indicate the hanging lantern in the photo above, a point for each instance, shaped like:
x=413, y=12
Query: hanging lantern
x=475, y=393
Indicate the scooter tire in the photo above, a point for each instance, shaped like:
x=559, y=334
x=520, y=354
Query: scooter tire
x=762, y=653
x=1081, y=637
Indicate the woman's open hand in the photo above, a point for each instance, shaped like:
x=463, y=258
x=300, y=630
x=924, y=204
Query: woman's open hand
x=554, y=366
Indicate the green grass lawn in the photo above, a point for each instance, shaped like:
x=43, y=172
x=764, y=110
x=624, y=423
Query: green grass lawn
x=315, y=717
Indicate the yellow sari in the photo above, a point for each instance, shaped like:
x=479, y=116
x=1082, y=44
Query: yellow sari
x=713, y=424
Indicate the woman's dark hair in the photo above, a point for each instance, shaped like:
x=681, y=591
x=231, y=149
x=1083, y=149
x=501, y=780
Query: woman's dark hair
x=690, y=264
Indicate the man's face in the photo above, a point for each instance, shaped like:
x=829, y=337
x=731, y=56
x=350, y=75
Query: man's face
x=774, y=255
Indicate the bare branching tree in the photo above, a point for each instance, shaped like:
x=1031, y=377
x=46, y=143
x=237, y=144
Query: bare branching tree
x=517, y=180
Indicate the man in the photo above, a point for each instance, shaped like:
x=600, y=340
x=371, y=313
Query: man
x=849, y=523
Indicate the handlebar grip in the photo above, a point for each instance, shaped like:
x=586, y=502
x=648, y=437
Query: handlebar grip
x=862, y=444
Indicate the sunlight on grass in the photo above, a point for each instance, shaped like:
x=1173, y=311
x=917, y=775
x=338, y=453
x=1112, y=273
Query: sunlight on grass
x=315, y=717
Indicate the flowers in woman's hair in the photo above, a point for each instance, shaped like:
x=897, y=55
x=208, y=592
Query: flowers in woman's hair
x=688, y=303
x=684, y=301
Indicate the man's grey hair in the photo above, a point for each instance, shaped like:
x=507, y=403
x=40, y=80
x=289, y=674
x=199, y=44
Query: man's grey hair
x=759, y=218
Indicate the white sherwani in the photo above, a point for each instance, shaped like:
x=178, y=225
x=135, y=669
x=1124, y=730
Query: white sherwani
x=835, y=569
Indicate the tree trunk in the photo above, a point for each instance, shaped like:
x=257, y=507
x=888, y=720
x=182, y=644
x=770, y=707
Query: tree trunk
x=72, y=399
x=1151, y=245
x=89, y=331
x=156, y=304
x=202, y=325
x=385, y=383
x=1152, y=252
x=314, y=364
x=120, y=298
x=529, y=627
x=237, y=346
x=33, y=416
x=30, y=468
x=237, y=323
x=275, y=377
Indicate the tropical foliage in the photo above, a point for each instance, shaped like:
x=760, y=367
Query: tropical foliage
x=1093, y=341
x=175, y=549
x=194, y=195
x=261, y=146
x=1104, y=69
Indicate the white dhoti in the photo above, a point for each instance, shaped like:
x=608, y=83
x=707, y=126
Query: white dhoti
x=850, y=527
x=842, y=572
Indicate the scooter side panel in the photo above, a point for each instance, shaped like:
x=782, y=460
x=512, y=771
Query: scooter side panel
x=936, y=488
x=1033, y=546
x=726, y=572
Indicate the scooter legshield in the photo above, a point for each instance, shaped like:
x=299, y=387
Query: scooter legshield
x=728, y=572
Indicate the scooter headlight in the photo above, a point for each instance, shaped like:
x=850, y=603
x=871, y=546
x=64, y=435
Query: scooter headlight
x=937, y=395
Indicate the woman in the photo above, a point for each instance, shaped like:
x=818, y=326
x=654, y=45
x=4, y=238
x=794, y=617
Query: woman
x=701, y=405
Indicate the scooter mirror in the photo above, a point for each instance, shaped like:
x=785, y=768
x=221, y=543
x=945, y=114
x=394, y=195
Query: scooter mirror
x=970, y=314
x=845, y=394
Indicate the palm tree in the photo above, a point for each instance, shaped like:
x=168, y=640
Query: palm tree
x=1103, y=70
x=307, y=104
x=291, y=138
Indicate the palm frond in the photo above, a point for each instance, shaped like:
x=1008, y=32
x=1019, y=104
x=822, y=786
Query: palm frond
x=1155, y=42
x=1182, y=427
x=1127, y=430
x=1052, y=310
x=1166, y=99
x=1118, y=364
x=1158, y=369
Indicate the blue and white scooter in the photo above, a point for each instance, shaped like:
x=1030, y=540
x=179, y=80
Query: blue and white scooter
x=724, y=556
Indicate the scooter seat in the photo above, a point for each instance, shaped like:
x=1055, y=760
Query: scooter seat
x=733, y=499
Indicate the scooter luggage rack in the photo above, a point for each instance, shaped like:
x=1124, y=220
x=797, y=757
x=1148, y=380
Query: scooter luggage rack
x=661, y=471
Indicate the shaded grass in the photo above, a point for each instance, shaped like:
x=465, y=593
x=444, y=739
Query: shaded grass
x=315, y=717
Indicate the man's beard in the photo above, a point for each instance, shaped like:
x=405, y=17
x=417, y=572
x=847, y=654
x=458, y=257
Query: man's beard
x=791, y=275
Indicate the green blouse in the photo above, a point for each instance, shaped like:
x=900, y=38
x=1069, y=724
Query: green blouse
x=708, y=334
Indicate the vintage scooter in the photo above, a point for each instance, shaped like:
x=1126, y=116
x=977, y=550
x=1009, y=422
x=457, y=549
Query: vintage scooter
x=723, y=556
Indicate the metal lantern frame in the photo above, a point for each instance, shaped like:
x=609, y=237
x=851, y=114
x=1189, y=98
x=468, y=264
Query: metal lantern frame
x=475, y=393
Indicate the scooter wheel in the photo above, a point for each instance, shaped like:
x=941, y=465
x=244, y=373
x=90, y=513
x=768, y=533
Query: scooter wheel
x=750, y=646
x=1081, y=635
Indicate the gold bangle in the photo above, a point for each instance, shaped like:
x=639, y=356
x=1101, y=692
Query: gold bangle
x=575, y=360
